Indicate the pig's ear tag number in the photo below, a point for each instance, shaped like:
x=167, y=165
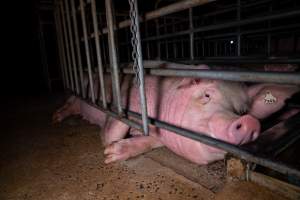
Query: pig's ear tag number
x=269, y=98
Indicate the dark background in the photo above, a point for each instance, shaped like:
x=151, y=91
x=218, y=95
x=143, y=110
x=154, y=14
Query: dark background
x=21, y=67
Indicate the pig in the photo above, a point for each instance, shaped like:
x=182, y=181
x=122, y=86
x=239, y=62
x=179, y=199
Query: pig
x=219, y=109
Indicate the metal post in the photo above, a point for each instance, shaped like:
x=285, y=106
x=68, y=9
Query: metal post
x=113, y=56
x=71, y=45
x=87, y=51
x=60, y=55
x=61, y=42
x=98, y=51
x=158, y=42
x=191, y=34
x=77, y=43
x=67, y=45
x=138, y=61
x=239, y=29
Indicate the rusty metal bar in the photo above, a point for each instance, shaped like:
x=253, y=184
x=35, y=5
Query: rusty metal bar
x=87, y=51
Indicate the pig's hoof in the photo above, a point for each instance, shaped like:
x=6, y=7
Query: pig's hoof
x=118, y=151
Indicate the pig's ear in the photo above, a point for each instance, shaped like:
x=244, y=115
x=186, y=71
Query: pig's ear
x=268, y=98
x=254, y=90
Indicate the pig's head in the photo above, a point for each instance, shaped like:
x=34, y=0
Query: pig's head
x=219, y=109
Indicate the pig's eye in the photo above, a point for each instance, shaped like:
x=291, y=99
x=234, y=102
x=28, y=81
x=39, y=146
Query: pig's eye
x=205, y=98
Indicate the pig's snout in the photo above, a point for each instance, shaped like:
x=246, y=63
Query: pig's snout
x=244, y=129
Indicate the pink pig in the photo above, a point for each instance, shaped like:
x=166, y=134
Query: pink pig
x=213, y=107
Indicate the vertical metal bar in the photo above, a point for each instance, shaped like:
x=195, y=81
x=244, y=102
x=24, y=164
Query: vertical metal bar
x=158, y=42
x=191, y=34
x=98, y=51
x=147, y=43
x=72, y=45
x=239, y=29
x=269, y=34
x=174, y=40
x=113, y=56
x=77, y=44
x=87, y=51
x=105, y=59
x=139, y=61
x=67, y=45
x=59, y=48
x=63, y=53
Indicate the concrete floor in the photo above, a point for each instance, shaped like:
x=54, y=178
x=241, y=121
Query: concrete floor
x=39, y=160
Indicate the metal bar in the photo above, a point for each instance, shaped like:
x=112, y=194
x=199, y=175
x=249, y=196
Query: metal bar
x=268, y=77
x=77, y=44
x=238, y=29
x=228, y=25
x=72, y=45
x=113, y=56
x=60, y=55
x=67, y=45
x=191, y=34
x=200, y=137
x=63, y=53
x=87, y=52
x=158, y=42
x=245, y=60
x=243, y=154
x=98, y=51
x=173, y=8
x=138, y=60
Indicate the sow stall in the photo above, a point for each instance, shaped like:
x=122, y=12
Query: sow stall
x=236, y=37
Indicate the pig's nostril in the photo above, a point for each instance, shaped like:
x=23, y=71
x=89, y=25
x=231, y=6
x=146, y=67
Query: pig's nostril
x=238, y=126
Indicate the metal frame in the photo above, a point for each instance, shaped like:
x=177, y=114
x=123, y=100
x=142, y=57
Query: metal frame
x=193, y=35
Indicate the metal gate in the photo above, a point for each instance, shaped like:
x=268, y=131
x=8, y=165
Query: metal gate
x=230, y=33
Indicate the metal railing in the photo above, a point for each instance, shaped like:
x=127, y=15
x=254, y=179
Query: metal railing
x=72, y=67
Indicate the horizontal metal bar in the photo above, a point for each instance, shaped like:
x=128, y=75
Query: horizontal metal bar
x=271, y=77
x=242, y=60
x=243, y=154
x=176, y=7
x=277, y=137
x=130, y=123
x=200, y=137
x=244, y=76
x=227, y=25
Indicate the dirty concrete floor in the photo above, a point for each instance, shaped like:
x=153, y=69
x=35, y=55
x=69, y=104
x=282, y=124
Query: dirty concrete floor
x=39, y=160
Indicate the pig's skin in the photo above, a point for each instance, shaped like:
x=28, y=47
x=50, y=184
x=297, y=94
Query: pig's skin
x=214, y=115
x=258, y=93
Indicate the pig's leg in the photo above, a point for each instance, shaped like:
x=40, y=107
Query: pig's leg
x=113, y=131
x=126, y=148
x=71, y=107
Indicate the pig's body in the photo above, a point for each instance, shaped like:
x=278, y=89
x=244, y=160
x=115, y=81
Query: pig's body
x=215, y=108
